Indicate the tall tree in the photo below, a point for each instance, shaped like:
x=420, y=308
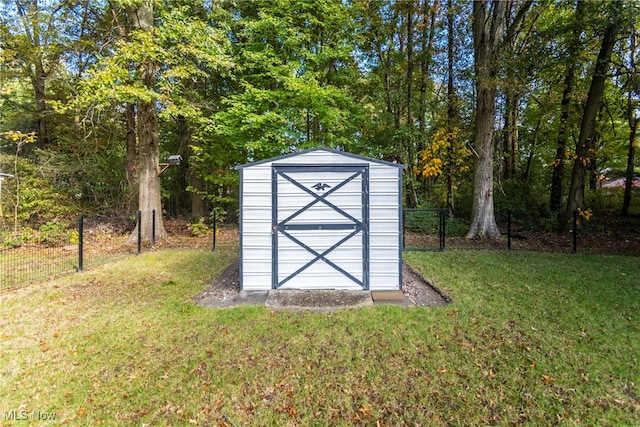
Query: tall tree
x=36, y=35
x=293, y=88
x=491, y=30
x=633, y=119
x=149, y=200
x=585, y=142
x=575, y=35
x=156, y=73
x=401, y=45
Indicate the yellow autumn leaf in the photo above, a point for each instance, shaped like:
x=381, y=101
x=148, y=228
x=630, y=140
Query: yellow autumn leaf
x=365, y=410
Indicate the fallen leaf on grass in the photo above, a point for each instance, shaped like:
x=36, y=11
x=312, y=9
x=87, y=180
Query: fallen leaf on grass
x=292, y=411
x=547, y=379
x=81, y=411
x=489, y=373
x=365, y=410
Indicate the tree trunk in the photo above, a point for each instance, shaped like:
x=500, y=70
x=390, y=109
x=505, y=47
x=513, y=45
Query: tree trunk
x=30, y=16
x=588, y=126
x=408, y=137
x=149, y=181
x=632, y=120
x=557, y=177
x=148, y=150
x=558, y=163
x=510, y=136
x=451, y=107
x=425, y=59
x=486, y=29
x=197, y=185
x=38, y=81
x=428, y=32
x=490, y=33
x=483, y=223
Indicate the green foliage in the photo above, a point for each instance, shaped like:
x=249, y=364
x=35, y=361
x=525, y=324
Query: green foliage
x=293, y=85
x=218, y=214
x=241, y=81
x=55, y=234
x=10, y=241
x=518, y=196
x=456, y=226
x=199, y=229
x=38, y=190
x=605, y=199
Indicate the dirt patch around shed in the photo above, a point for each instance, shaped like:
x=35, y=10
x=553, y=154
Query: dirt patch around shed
x=224, y=289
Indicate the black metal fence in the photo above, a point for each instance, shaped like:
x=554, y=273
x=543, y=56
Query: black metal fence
x=61, y=247
x=433, y=230
x=31, y=255
x=424, y=229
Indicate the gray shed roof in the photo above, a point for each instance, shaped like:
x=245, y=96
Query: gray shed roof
x=326, y=149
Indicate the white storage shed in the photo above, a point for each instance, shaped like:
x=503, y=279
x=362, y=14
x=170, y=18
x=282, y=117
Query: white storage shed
x=321, y=219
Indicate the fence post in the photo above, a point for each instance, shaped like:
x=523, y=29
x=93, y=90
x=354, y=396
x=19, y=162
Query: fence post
x=153, y=228
x=509, y=229
x=443, y=227
x=575, y=232
x=80, y=243
x=404, y=226
x=215, y=230
x=139, y=232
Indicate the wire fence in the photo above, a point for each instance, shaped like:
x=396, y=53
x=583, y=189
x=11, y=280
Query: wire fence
x=434, y=230
x=31, y=255
x=424, y=229
x=34, y=255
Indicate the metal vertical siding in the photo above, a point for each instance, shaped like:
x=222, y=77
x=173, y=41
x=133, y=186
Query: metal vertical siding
x=256, y=263
x=384, y=227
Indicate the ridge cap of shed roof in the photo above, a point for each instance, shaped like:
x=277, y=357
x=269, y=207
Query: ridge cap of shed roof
x=320, y=148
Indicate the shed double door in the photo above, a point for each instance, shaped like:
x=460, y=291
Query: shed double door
x=320, y=227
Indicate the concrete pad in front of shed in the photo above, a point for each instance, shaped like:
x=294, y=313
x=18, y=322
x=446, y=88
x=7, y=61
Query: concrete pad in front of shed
x=389, y=297
x=250, y=298
x=317, y=300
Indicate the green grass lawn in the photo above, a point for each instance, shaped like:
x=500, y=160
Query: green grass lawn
x=532, y=338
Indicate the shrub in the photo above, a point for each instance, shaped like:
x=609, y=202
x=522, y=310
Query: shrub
x=8, y=241
x=220, y=215
x=199, y=229
x=74, y=237
x=456, y=227
x=53, y=234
